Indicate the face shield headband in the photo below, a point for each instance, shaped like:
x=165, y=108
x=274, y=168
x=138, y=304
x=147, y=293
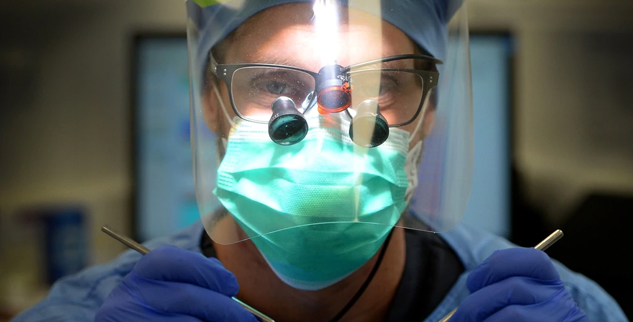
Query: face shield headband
x=424, y=21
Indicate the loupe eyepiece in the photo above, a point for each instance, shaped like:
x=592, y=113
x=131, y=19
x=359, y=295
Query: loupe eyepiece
x=369, y=128
x=287, y=125
x=333, y=90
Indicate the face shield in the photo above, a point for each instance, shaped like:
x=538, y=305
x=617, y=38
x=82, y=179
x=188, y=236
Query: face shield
x=326, y=121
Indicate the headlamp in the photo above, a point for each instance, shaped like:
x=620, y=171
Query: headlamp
x=333, y=89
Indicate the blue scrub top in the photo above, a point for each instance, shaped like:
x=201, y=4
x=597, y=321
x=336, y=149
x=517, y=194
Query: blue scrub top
x=78, y=297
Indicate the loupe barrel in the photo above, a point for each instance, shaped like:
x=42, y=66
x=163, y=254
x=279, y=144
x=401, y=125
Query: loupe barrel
x=287, y=125
x=369, y=128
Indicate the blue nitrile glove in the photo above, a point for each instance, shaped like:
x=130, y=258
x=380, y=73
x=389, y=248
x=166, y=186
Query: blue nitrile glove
x=170, y=284
x=517, y=284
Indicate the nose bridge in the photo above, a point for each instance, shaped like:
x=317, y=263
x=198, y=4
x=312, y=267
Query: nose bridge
x=330, y=121
x=333, y=124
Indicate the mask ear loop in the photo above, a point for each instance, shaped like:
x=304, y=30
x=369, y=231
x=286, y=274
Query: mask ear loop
x=226, y=116
x=222, y=142
x=413, y=157
x=417, y=127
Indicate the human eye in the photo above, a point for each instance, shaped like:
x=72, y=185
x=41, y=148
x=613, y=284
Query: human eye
x=279, y=83
x=269, y=83
x=376, y=85
x=256, y=88
x=388, y=84
x=276, y=87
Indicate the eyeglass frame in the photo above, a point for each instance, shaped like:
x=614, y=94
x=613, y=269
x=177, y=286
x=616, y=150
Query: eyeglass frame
x=428, y=76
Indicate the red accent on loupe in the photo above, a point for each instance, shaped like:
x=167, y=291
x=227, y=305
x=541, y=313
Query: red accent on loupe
x=334, y=99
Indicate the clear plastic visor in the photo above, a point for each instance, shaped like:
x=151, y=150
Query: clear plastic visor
x=324, y=115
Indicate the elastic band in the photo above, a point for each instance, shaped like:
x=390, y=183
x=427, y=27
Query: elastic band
x=221, y=102
x=417, y=127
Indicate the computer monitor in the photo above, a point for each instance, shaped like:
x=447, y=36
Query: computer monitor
x=489, y=204
x=164, y=196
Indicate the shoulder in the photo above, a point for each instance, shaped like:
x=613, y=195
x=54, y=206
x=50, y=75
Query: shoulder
x=473, y=246
x=77, y=297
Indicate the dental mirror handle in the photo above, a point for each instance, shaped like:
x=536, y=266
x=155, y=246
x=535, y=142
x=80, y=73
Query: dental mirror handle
x=144, y=250
x=543, y=245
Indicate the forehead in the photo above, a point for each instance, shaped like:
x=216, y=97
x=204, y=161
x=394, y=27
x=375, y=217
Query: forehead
x=299, y=35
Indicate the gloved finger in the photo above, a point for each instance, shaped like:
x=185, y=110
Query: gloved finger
x=554, y=311
x=186, y=299
x=177, y=265
x=126, y=313
x=118, y=308
x=143, y=317
x=528, y=262
x=512, y=291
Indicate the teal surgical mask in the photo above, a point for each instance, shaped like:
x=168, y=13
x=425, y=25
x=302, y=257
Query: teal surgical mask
x=319, y=209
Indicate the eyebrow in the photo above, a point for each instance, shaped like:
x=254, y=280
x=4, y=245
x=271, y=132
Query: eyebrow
x=283, y=61
x=293, y=62
x=398, y=64
x=394, y=64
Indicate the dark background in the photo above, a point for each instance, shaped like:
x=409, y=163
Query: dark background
x=65, y=136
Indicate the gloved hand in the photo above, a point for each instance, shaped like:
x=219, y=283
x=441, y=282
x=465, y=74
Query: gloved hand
x=170, y=284
x=517, y=284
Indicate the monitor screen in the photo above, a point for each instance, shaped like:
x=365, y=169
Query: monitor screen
x=491, y=63
x=164, y=198
x=164, y=189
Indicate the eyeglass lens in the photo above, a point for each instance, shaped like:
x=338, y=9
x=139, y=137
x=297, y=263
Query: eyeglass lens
x=254, y=89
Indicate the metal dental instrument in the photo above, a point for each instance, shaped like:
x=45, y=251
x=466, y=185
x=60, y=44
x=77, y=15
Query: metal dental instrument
x=144, y=250
x=543, y=245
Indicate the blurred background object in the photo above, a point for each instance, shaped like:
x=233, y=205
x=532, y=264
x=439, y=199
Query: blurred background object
x=69, y=103
x=601, y=216
x=39, y=245
x=164, y=197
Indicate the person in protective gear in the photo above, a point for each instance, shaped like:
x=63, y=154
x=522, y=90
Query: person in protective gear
x=331, y=154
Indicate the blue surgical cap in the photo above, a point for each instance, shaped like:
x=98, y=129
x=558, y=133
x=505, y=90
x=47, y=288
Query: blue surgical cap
x=424, y=21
